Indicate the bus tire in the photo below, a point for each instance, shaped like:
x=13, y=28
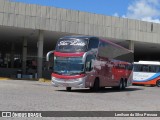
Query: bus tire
x=121, y=85
x=68, y=88
x=158, y=83
x=124, y=84
x=96, y=85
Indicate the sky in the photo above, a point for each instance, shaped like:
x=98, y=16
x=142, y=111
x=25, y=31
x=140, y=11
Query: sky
x=146, y=10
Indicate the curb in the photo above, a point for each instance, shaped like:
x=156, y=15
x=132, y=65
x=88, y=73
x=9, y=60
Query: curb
x=40, y=80
x=4, y=78
x=44, y=80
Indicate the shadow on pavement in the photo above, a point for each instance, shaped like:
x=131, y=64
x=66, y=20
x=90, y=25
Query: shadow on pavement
x=102, y=90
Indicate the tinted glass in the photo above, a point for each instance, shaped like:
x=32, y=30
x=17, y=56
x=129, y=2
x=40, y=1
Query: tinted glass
x=89, y=62
x=68, y=65
x=146, y=68
x=93, y=43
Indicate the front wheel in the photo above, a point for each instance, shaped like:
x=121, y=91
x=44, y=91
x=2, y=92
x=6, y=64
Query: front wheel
x=68, y=88
x=158, y=83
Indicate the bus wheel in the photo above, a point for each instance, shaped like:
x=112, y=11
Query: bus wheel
x=158, y=83
x=96, y=85
x=68, y=88
x=121, y=85
x=124, y=84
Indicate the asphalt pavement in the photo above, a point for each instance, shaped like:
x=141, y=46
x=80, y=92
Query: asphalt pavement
x=21, y=95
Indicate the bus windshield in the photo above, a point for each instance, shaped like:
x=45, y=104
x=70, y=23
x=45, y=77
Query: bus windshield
x=146, y=68
x=68, y=65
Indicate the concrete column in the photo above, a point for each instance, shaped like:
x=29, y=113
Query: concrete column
x=131, y=45
x=12, y=54
x=24, y=57
x=3, y=55
x=40, y=53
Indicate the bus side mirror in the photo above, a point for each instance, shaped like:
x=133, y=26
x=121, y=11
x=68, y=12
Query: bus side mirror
x=48, y=54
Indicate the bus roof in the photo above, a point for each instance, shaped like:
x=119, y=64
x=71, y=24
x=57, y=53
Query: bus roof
x=148, y=62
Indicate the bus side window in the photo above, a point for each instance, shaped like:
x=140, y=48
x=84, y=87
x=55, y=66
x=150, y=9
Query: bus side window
x=89, y=62
x=151, y=68
x=145, y=68
x=158, y=69
x=131, y=67
x=93, y=43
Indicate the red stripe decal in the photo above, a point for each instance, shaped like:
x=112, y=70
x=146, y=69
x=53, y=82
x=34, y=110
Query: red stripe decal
x=67, y=76
x=68, y=54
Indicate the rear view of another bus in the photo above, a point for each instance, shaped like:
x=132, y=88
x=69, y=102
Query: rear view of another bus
x=146, y=73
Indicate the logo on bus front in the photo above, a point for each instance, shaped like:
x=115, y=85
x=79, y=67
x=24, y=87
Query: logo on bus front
x=71, y=42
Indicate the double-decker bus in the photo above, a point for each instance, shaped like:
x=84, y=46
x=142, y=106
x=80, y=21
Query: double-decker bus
x=146, y=73
x=91, y=62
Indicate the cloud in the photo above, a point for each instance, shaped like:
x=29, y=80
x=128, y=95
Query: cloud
x=146, y=10
x=116, y=14
x=149, y=19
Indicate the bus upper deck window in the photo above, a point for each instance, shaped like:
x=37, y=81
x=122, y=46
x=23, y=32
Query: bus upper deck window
x=145, y=68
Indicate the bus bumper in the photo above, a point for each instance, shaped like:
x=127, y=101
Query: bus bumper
x=77, y=83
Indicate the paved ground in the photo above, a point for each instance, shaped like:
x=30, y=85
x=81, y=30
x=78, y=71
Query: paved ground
x=17, y=95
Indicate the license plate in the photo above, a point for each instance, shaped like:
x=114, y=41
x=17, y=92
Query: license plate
x=65, y=84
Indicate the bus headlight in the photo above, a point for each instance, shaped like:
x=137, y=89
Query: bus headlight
x=53, y=78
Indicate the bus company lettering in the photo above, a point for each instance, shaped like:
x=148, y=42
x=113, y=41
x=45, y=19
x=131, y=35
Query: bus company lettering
x=142, y=76
x=73, y=42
